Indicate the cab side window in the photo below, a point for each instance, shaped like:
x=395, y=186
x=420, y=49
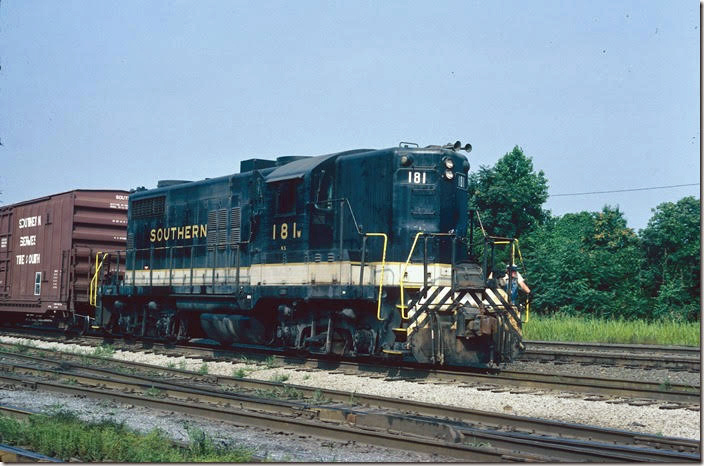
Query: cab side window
x=286, y=198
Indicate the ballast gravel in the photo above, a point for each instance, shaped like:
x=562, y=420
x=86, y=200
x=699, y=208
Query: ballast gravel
x=269, y=445
x=547, y=405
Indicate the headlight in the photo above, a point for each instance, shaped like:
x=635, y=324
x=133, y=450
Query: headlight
x=449, y=174
x=406, y=160
x=449, y=164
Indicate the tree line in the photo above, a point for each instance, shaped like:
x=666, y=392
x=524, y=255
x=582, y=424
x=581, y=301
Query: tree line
x=591, y=263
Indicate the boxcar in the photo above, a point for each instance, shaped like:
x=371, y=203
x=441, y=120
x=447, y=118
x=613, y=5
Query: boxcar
x=46, y=251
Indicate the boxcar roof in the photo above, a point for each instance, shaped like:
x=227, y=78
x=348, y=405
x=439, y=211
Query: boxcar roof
x=49, y=196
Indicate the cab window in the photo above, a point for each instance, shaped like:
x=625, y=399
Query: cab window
x=286, y=198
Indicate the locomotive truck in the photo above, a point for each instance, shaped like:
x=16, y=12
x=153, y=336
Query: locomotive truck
x=363, y=252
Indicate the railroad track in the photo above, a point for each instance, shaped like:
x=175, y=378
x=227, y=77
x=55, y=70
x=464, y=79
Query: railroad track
x=635, y=392
x=458, y=433
x=13, y=454
x=683, y=358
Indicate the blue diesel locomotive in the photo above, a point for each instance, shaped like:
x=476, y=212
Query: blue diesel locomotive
x=363, y=252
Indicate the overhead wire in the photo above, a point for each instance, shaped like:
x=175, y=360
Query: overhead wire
x=625, y=190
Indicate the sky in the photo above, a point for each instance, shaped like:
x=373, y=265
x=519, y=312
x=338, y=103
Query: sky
x=602, y=95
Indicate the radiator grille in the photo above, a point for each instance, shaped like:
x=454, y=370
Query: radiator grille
x=146, y=208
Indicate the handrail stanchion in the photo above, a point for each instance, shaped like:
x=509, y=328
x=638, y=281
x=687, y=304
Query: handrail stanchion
x=361, y=264
x=383, y=267
x=403, y=275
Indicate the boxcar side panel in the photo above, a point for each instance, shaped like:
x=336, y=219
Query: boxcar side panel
x=47, y=244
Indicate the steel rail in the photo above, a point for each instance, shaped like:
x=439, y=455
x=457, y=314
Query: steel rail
x=300, y=423
x=615, y=355
x=693, y=351
x=10, y=454
x=590, y=385
x=413, y=372
x=422, y=424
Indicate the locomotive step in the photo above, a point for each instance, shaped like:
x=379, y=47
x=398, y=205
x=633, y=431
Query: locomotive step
x=394, y=352
x=401, y=334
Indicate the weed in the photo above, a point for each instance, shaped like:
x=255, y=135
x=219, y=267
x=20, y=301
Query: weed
x=64, y=436
x=203, y=369
x=292, y=393
x=279, y=378
x=270, y=362
x=18, y=348
x=55, y=408
x=318, y=397
x=666, y=385
x=477, y=444
x=182, y=364
x=353, y=398
x=154, y=392
x=104, y=351
x=243, y=359
x=306, y=377
x=285, y=392
x=171, y=365
x=70, y=381
x=242, y=372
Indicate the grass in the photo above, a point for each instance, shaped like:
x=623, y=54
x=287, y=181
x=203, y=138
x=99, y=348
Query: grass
x=318, y=397
x=154, y=392
x=666, y=385
x=18, y=348
x=270, y=362
x=279, y=378
x=242, y=372
x=281, y=393
x=104, y=351
x=570, y=328
x=64, y=436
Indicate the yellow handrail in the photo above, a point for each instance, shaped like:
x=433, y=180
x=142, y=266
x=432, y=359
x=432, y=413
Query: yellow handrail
x=405, y=266
x=383, y=266
x=403, y=274
x=93, y=290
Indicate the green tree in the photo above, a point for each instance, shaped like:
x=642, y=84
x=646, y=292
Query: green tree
x=509, y=196
x=672, y=245
x=586, y=263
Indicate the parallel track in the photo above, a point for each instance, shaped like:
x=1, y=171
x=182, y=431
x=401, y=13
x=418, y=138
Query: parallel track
x=637, y=356
x=530, y=439
x=630, y=389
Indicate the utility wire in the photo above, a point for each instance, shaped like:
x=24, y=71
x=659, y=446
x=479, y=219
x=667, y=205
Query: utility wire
x=625, y=190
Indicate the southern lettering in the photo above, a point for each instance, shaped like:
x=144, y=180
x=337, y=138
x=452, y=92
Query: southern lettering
x=158, y=235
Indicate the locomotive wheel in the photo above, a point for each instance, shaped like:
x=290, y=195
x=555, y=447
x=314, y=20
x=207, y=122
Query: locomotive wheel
x=181, y=329
x=341, y=342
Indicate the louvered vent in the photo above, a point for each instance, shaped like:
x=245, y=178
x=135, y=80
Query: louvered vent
x=146, y=208
x=222, y=228
x=130, y=240
x=212, y=237
x=236, y=226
